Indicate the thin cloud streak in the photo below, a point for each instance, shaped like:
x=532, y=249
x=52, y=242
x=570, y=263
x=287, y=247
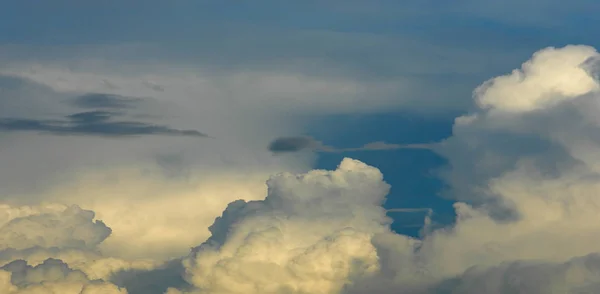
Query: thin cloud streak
x=92, y=123
x=295, y=144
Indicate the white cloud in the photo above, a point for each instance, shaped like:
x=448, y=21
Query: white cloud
x=71, y=227
x=53, y=249
x=165, y=217
x=525, y=164
x=551, y=76
x=310, y=235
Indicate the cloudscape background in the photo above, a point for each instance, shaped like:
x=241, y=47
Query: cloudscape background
x=334, y=147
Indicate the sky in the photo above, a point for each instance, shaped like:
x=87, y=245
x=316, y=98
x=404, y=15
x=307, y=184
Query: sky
x=329, y=147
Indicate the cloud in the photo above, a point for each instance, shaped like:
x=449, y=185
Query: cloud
x=549, y=77
x=525, y=174
x=523, y=168
x=92, y=123
x=71, y=227
x=52, y=276
x=151, y=187
x=578, y=275
x=152, y=281
x=309, y=235
x=165, y=216
x=107, y=101
x=53, y=249
x=295, y=144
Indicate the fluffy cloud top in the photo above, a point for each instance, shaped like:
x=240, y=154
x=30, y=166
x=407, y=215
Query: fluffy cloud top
x=72, y=227
x=552, y=75
x=526, y=166
x=310, y=234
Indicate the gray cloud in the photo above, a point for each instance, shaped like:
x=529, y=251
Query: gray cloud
x=92, y=123
x=295, y=144
x=106, y=101
x=154, y=281
x=155, y=87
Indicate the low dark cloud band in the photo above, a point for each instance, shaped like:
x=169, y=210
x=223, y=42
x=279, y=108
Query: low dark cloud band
x=299, y=143
x=104, y=101
x=92, y=123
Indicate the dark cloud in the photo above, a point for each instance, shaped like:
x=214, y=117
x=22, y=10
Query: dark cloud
x=295, y=144
x=155, y=281
x=592, y=66
x=105, y=101
x=92, y=123
x=90, y=116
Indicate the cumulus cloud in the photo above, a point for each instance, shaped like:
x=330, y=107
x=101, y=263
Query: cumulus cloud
x=71, y=227
x=523, y=168
x=552, y=75
x=310, y=234
x=52, y=276
x=165, y=217
x=53, y=249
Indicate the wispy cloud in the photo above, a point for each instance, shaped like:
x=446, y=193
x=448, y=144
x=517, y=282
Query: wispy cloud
x=299, y=143
x=92, y=123
x=102, y=100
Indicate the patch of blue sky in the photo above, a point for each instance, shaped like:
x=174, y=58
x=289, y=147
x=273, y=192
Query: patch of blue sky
x=410, y=172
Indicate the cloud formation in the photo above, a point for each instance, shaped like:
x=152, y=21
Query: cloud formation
x=295, y=144
x=53, y=249
x=343, y=210
x=106, y=101
x=523, y=167
x=51, y=276
x=71, y=227
x=92, y=123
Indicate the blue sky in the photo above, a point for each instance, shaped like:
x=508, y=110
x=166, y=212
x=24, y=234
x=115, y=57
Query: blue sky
x=411, y=172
